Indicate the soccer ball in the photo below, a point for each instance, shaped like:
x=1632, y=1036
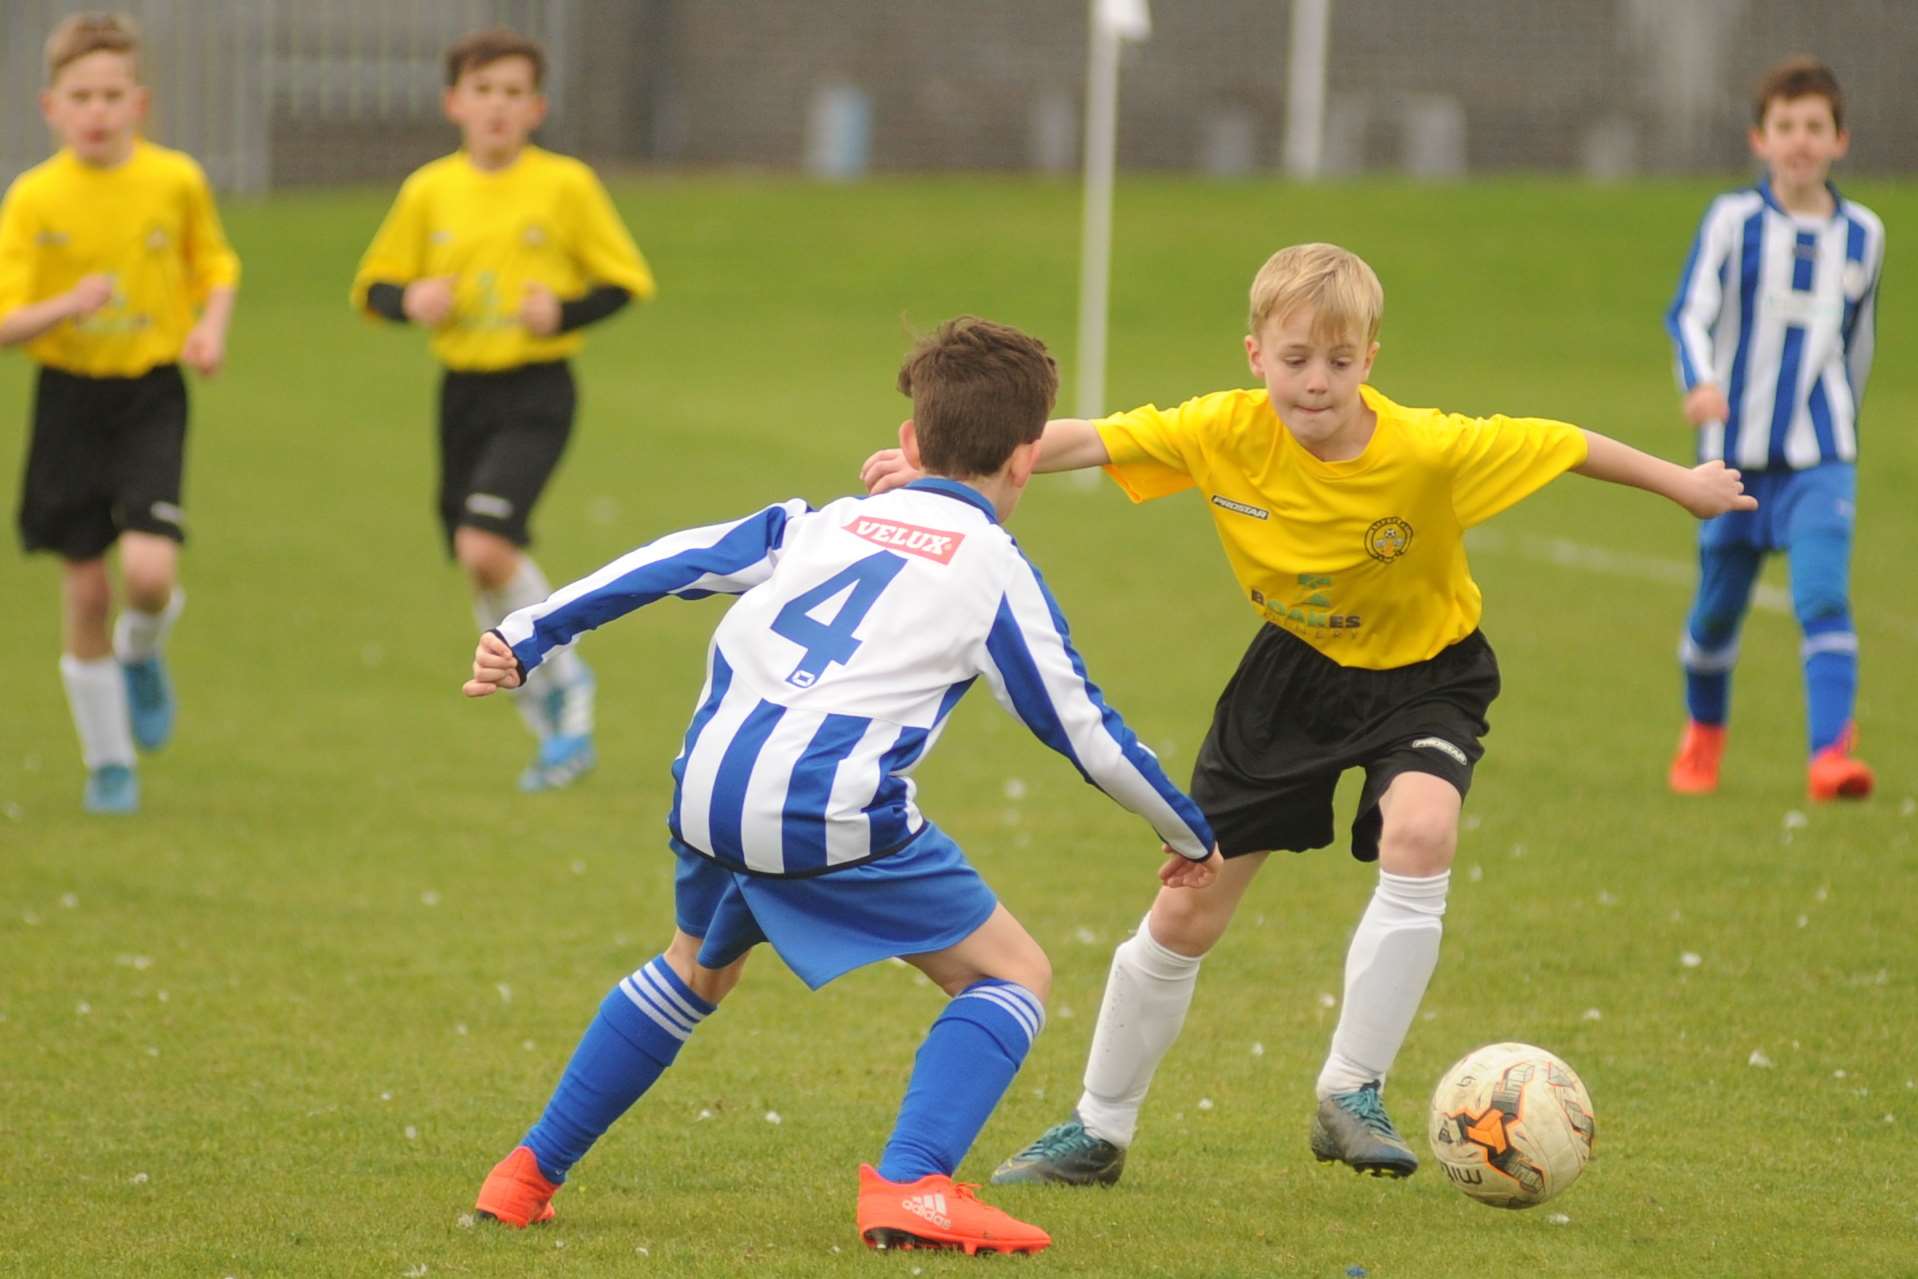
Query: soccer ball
x=1511, y=1125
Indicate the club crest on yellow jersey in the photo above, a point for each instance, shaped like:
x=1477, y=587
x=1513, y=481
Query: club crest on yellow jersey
x=1388, y=538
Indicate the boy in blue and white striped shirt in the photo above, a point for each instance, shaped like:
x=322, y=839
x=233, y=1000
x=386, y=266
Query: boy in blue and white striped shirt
x=858, y=629
x=1773, y=329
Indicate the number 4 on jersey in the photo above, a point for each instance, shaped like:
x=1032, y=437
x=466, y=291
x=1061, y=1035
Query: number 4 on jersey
x=829, y=642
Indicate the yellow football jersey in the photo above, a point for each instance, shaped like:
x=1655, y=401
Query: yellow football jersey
x=149, y=223
x=542, y=219
x=1362, y=559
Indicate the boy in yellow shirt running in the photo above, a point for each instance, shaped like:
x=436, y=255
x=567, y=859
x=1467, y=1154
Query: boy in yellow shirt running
x=1343, y=516
x=505, y=251
x=113, y=272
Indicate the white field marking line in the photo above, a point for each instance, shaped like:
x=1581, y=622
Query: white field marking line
x=1565, y=553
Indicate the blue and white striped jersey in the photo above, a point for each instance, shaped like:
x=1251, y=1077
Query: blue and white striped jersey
x=858, y=629
x=1777, y=311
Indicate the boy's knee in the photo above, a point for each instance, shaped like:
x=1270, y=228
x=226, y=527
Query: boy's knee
x=1819, y=602
x=1713, y=629
x=1189, y=922
x=489, y=559
x=1419, y=843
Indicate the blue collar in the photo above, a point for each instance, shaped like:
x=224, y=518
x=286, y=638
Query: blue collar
x=953, y=488
x=1771, y=201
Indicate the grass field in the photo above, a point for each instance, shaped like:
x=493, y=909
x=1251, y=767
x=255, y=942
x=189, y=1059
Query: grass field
x=283, y=1021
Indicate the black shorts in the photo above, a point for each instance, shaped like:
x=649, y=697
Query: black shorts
x=501, y=435
x=105, y=459
x=1292, y=719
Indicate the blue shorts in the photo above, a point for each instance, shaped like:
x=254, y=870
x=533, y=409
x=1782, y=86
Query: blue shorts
x=925, y=897
x=1791, y=505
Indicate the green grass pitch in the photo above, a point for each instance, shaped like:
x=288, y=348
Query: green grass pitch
x=283, y=1021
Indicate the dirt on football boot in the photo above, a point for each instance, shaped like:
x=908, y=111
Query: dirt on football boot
x=1064, y=1155
x=938, y=1212
x=515, y=1193
x=1834, y=774
x=1695, y=768
x=1352, y=1128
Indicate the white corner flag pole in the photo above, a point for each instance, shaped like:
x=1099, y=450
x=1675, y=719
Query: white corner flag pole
x=1112, y=21
x=1305, y=89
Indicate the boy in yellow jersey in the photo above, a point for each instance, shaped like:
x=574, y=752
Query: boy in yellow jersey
x=505, y=251
x=1343, y=517
x=113, y=272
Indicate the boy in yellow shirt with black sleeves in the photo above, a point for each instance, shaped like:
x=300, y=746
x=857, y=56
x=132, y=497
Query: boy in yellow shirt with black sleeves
x=1343, y=517
x=113, y=272
x=505, y=251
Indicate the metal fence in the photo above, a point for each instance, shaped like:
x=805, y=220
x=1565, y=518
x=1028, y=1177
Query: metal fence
x=271, y=93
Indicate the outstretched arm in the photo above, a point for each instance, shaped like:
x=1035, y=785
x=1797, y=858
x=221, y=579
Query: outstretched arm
x=1706, y=490
x=1069, y=444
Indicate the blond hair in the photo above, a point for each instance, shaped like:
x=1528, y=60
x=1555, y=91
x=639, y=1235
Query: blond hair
x=83, y=33
x=1343, y=292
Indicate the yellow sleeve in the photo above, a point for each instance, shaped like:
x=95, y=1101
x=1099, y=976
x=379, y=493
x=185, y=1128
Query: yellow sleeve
x=1151, y=450
x=1499, y=461
x=398, y=252
x=602, y=246
x=211, y=262
x=16, y=252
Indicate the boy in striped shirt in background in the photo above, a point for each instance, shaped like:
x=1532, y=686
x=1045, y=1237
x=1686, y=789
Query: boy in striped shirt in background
x=859, y=628
x=1773, y=329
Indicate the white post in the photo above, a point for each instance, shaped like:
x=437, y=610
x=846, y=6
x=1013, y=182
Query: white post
x=1111, y=21
x=1305, y=88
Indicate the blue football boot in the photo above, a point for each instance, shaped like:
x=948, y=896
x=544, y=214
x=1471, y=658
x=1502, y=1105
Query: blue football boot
x=112, y=788
x=149, y=702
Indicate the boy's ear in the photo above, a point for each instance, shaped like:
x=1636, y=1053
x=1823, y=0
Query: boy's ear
x=1023, y=462
x=46, y=106
x=446, y=104
x=1844, y=144
x=1252, y=356
x=909, y=444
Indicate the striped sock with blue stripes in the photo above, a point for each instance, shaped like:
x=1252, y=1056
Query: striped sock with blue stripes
x=640, y=1026
x=965, y=1066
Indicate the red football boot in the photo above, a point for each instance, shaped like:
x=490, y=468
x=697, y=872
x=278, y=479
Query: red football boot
x=938, y=1212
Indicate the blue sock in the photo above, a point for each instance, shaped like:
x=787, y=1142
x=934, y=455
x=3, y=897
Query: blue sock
x=1708, y=678
x=1831, y=677
x=640, y=1026
x=968, y=1060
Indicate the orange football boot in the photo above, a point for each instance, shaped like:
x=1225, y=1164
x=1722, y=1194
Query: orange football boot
x=938, y=1212
x=1695, y=768
x=515, y=1193
x=1834, y=774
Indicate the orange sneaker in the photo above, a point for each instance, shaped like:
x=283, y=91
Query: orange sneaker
x=515, y=1193
x=1695, y=767
x=938, y=1212
x=1834, y=774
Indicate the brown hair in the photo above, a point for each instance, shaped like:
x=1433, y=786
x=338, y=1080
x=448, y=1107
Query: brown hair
x=83, y=33
x=1801, y=77
x=1343, y=292
x=484, y=48
x=979, y=390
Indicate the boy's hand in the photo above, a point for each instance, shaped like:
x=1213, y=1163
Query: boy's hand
x=1714, y=489
x=428, y=302
x=89, y=295
x=1706, y=403
x=494, y=668
x=205, y=349
x=886, y=470
x=539, y=310
x=1180, y=871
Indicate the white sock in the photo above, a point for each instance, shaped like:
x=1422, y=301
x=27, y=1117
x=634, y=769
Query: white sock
x=562, y=668
x=1147, y=993
x=138, y=636
x=97, y=696
x=1394, y=951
